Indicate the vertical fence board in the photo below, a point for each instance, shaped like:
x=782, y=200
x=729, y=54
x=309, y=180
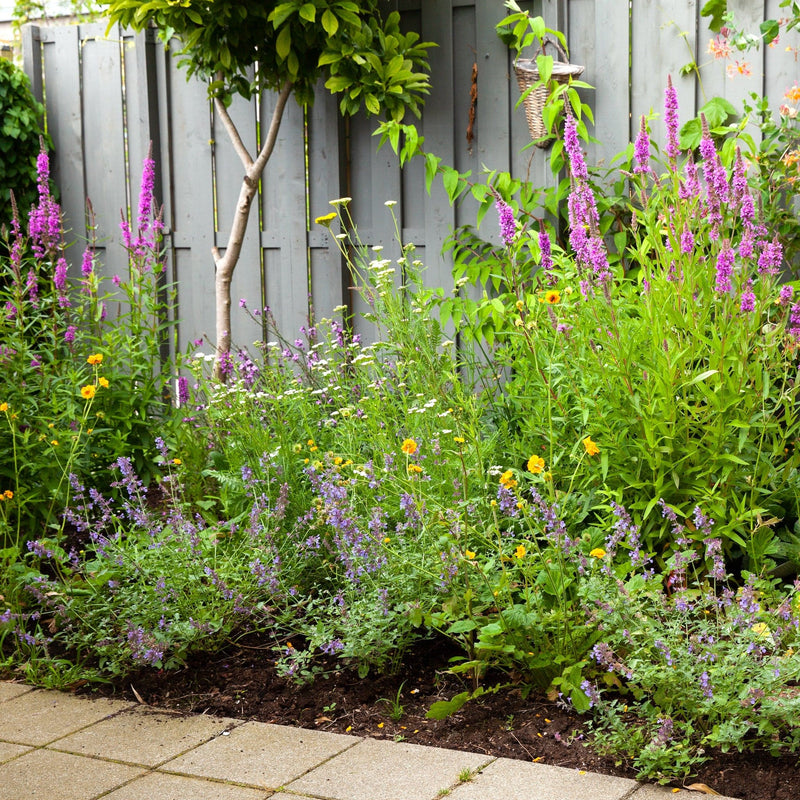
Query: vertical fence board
x=61, y=74
x=192, y=205
x=104, y=142
x=285, y=228
x=325, y=183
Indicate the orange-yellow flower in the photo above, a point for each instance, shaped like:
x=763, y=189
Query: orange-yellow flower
x=591, y=448
x=598, y=552
x=469, y=554
x=103, y=382
x=535, y=464
x=552, y=297
x=507, y=479
x=177, y=462
x=88, y=391
x=8, y=494
x=414, y=469
x=95, y=359
x=409, y=447
x=3, y=406
x=520, y=552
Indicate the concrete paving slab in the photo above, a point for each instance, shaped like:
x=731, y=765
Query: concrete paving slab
x=506, y=779
x=11, y=690
x=384, y=770
x=653, y=792
x=42, y=716
x=178, y=787
x=144, y=736
x=9, y=751
x=261, y=755
x=48, y=775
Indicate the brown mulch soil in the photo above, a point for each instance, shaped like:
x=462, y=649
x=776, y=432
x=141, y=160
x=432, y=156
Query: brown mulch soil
x=241, y=682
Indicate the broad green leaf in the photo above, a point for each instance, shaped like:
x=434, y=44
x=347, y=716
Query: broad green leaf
x=329, y=22
x=716, y=9
x=284, y=43
x=308, y=12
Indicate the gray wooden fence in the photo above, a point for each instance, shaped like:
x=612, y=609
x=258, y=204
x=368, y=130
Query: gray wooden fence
x=108, y=97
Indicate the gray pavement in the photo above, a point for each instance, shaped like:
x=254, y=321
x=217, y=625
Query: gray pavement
x=57, y=746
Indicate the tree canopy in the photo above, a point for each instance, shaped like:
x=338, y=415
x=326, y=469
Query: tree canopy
x=245, y=46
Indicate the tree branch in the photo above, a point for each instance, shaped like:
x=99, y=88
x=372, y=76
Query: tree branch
x=236, y=139
x=274, y=125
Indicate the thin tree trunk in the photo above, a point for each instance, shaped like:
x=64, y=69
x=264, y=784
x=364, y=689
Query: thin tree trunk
x=225, y=264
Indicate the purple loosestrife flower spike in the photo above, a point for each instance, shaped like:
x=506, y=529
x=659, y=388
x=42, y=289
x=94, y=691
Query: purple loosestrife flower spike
x=572, y=145
x=794, y=322
x=641, y=149
x=546, y=262
x=671, y=119
x=748, y=302
x=687, y=240
x=769, y=262
x=725, y=261
x=690, y=187
x=508, y=226
x=785, y=295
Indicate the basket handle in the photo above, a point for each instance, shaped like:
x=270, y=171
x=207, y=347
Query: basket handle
x=547, y=40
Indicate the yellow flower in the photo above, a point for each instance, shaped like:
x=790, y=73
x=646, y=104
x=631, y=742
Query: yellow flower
x=103, y=382
x=95, y=359
x=507, y=479
x=177, y=462
x=520, y=552
x=338, y=460
x=310, y=442
x=409, y=447
x=552, y=297
x=54, y=442
x=414, y=469
x=469, y=554
x=298, y=448
x=8, y=494
x=386, y=540
x=326, y=219
x=762, y=630
x=591, y=448
x=598, y=552
x=3, y=406
x=535, y=464
x=88, y=391
x=459, y=439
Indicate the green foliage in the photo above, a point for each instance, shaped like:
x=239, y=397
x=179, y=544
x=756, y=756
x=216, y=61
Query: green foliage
x=20, y=134
x=246, y=47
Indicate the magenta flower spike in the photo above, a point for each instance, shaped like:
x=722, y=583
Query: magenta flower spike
x=671, y=120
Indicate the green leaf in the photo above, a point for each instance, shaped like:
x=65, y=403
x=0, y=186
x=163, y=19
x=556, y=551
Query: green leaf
x=372, y=104
x=716, y=9
x=329, y=22
x=450, y=180
x=769, y=30
x=308, y=12
x=284, y=43
x=444, y=708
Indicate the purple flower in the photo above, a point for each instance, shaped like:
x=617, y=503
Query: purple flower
x=641, y=149
x=60, y=276
x=785, y=295
x=69, y=334
x=725, y=261
x=748, y=302
x=183, y=391
x=671, y=119
x=690, y=188
x=705, y=685
x=571, y=144
x=794, y=321
x=87, y=265
x=546, y=259
x=769, y=262
x=508, y=226
x=687, y=240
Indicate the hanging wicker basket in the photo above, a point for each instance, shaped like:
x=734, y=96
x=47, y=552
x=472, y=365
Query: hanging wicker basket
x=527, y=75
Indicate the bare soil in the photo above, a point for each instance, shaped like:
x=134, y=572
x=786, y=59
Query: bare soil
x=241, y=682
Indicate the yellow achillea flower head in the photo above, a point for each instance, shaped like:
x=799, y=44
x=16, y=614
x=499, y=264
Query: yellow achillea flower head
x=409, y=447
x=552, y=297
x=88, y=391
x=598, y=552
x=535, y=464
x=95, y=359
x=520, y=552
x=326, y=219
x=507, y=479
x=591, y=448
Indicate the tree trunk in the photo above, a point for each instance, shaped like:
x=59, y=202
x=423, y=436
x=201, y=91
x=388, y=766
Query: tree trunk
x=225, y=264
